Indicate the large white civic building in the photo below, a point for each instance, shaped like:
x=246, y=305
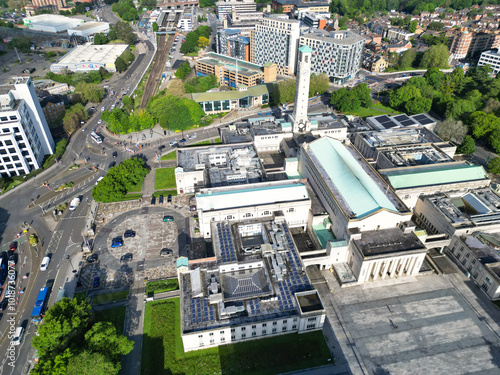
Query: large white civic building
x=25, y=137
x=90, y=57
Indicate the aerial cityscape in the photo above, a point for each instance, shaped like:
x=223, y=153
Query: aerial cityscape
x=249, y=187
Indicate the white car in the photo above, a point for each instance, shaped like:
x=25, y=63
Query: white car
x=100, y=121
x=74, y=203
x=99, y=179
x=45, y=264
x=18, y=336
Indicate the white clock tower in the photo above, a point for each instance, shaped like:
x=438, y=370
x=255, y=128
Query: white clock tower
x=300, y=120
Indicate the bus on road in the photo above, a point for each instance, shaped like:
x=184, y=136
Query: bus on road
x=40, y=304
x=96, y=137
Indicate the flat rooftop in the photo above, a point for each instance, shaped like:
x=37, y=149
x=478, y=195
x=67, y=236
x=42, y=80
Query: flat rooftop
x=400, y=137
x=251, y=195
x=258, y=276
x=356, y=186
x=345, y=37
x=105, y=54
x=388, y=241
x=225, y=165
x=480, y=248
x=407, y=156
x=229, y=63
x=400, y=121
x=477, y=206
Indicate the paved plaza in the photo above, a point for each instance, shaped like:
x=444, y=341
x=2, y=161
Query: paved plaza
x=418, y=325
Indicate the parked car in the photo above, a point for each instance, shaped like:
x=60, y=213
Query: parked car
x=96, y=282
x=99, y=179
x=192, y=136
x=173, y=143
x=45, y=264
x=166, y=252
x=18, y=336
x=182, y=140
x=168, y=218
x=117, y=242
x=129, y=233
x=169, y=198
x=112, y=164
x=93, y=258
x=100, y=121
x=153, y=201
x=3, y=304
x=13, y=246
x=160, y=199
x=192, y=208
x=126, y=257
x=115, y=154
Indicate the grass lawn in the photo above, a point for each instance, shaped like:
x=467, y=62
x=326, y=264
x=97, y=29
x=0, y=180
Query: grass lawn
x=164, y=178
x=163, y=352
x=116, y=315
x=127, y=197
x=165, y=193
x=172, y=155
x=136, y=188
x=109, y=297
x=80, y=296
x=162, y=286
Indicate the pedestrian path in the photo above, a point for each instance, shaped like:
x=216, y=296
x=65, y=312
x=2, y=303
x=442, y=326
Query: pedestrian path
x=148, y=186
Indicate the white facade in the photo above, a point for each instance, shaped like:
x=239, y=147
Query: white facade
x=399, y=34
x=90, y=57
x=251, y=331
x=300, y=121
x=491, y=58
x=185, y=23
x=469, y=252
x=223, y=8
x=51, y=23
x=89, y=28
x=338, y=53
x=276, y=40
x=24, y=133
x=259, y=200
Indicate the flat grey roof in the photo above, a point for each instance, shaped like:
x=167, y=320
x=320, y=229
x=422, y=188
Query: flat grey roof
x=387, y=241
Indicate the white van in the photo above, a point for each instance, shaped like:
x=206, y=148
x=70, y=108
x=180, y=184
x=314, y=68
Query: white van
x=74, y=203
x=18, y=336
x=45, y=264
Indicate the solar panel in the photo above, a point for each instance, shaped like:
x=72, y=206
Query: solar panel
x=381, y=118
x=401, y=118
x=426, y=121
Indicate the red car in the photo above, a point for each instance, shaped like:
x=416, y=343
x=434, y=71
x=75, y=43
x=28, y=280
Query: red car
x=13, y=246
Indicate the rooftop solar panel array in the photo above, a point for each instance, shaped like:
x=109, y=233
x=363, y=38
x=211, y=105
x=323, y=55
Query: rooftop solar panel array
x=296, y=282
x=254, y=307
x=386, y=122
x=226, y=243
x=423, y=119
x=201, y=312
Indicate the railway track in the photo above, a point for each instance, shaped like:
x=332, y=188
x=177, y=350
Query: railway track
x=165, y=43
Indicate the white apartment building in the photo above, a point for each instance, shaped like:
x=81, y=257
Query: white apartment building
x=186, y=22
x=491, y=58
x=223, y=8
x=337, y=53
x=276, y=40
x=24, y=133
x=400, y=34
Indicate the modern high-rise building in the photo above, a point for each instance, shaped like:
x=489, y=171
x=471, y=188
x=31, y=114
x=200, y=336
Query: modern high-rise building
x=24, y=134
x=337, y=53
x=223, y=8
x=230, y=42
x=276, y=40
x=460, y=45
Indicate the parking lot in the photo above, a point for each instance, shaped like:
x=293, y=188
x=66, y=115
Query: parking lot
x=29, y=60
x=152, y=235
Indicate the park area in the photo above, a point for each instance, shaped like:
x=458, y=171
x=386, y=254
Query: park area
x=164, y=178
x=163, y=352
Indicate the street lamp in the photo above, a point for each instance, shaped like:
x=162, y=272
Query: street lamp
x=69, y=259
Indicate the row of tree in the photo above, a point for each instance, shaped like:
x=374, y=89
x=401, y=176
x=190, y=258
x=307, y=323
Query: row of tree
x=201, y=84
x=119, y=180
x=124, y=60
x=73, y=117
x=71, y=341
x=126, y=10
x=73, y=79
x=121, y=122
x=435, y=57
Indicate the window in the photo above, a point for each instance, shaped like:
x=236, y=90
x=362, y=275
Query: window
x=221, y=332
x=311, y=319
x=212, y=341
x=222, y=339
x=254, y=333
x=201, y=344
x=264, y=332
x=275, y=323
x=284, y=321
x=291, y=209
x=211, y=334
x=243, y=335
x=243, y=328
x=254, y=326
x=200, y=336
x=275, y=330
x=264, y=324
x=233, y=337
x=283, y=329
x=233, y=330
x=311, y=326
x=294, y=326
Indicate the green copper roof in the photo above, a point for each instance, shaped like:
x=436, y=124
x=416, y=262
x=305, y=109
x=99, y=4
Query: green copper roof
x=356, y=187
x=437, y=175
x=305, y=49
x=258, y=90
x=182, y=261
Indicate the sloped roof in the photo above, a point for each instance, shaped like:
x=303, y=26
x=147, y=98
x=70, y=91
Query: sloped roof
x=437, y=175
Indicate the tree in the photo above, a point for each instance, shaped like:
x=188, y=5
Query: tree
x=120, y=65
x=102, y=337
x=5, y=182
x=402, y=95
x=494, y=165
x=437, y=26
x=90, y=91
x=319, y=84
x=418, y=105
x=468, y=146
x=183, y=70
x=100, y=38
x=435, y=57
x=407, y=59
x=91, y=363
x=155, y=27
x=451, y=130
x=17, y=4
x=483, y=124
x=127, y=100
x=413, y=26
x=203, y=42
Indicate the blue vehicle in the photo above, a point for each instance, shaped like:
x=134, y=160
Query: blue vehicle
x=40, y=304
x=117, y=242
x=3, y=268
x=96, y=282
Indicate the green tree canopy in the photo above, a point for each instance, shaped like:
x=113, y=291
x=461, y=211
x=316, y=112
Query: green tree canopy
x=468, y=146
x=435, y=57
x=90, y=91
x=183, y=70
x=494, y=166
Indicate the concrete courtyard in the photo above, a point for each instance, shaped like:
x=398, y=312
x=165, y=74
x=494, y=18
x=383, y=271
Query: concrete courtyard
x=417, y=325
